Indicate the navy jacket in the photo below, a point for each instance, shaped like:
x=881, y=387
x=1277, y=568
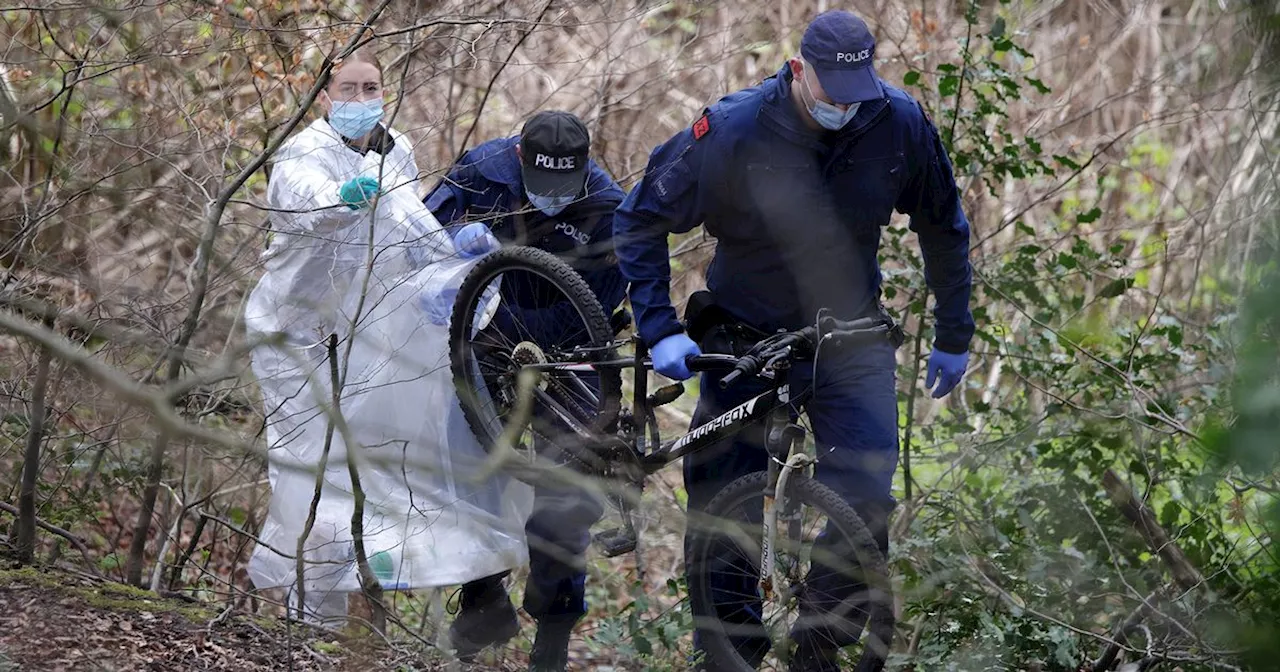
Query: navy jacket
x=486, y=185
x=797, y=213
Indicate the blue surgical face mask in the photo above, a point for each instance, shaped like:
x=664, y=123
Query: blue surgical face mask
x=355, y=118
x=550, y=205
x=827, y=115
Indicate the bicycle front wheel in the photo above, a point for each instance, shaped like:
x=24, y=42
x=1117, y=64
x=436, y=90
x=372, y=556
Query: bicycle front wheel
x=521, y=307
x=831, y=582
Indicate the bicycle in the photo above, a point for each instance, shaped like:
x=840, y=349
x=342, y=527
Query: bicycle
x=576, y=398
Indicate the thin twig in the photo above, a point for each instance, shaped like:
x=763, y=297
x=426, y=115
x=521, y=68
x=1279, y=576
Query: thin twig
x=494, y=79
x=907, y=431
x=319, y=487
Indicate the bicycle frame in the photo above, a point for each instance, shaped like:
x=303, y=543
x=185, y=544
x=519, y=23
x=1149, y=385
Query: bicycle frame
x=723, y=426
x=727, y=424
x=776, y=399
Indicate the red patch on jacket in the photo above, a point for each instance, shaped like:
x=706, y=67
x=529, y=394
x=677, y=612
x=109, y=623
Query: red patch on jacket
x=701, y=127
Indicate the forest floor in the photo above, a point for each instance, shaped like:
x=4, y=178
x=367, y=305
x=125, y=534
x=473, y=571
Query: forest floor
x=60, y=620
x=64, y=618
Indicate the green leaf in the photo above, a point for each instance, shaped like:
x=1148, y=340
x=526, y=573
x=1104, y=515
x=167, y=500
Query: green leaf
x=948, y=85
x=997, y=28
x=948, y=67
x=1033, y=294
x=1089, y=217
x=911, y=78
x=1025, y=519
x=1066, y=162
x=1039, y=85
x=1169, y=514
x=1115, y=288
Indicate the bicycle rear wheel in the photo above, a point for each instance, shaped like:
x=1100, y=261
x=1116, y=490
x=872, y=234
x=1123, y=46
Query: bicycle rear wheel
x=522, y=306
x=827, y=588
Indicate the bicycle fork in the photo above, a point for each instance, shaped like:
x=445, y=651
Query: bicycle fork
x=781, y=432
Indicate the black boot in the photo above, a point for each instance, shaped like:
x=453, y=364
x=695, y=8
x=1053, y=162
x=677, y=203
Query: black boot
x=551, y=646
x=485, y=618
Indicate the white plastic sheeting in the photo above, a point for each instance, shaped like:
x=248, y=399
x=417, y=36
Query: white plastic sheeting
x=383, y=281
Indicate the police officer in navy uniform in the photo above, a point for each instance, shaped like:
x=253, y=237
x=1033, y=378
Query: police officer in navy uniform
x=795, y=178
x=539, y=189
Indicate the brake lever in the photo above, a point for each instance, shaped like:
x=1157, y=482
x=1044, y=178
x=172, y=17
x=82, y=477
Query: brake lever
x=780, y=361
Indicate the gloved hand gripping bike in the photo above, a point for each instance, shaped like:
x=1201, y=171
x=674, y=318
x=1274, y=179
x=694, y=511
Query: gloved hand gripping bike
x=552, y=390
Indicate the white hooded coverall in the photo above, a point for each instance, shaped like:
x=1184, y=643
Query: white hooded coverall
x=365, y=276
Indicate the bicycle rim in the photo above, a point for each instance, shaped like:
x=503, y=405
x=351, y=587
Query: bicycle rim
x=544, y=313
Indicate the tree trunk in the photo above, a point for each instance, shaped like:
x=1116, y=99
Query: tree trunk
x=138, y=549
x=31, y=462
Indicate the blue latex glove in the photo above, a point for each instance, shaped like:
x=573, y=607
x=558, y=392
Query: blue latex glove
x=439, y=308
x=358, y=192
x=474, y=240
x=669, y=355
x=947, y=369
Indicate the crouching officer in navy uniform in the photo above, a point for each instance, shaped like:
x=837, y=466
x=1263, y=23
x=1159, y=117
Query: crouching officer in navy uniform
x=795, y=178
x=538, y=189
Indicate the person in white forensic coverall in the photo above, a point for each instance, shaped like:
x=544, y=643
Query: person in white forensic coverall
x=354, y=253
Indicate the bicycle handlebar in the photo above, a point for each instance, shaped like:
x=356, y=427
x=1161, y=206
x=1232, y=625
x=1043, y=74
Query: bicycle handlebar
x=836, y=331
x=746, y=367
x=700, y=363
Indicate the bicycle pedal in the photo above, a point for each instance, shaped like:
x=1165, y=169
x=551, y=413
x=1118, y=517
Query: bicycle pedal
x=616, y=541
x=665, y=395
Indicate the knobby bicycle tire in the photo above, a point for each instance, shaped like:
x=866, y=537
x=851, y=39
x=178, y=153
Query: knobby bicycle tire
x=721, y=656
x=574, y=288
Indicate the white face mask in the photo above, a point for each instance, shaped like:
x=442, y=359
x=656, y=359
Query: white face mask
x=354, y=119
x=827, y=115
x=549, y=205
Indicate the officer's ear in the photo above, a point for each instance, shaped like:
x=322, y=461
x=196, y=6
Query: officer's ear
x=797, y=66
